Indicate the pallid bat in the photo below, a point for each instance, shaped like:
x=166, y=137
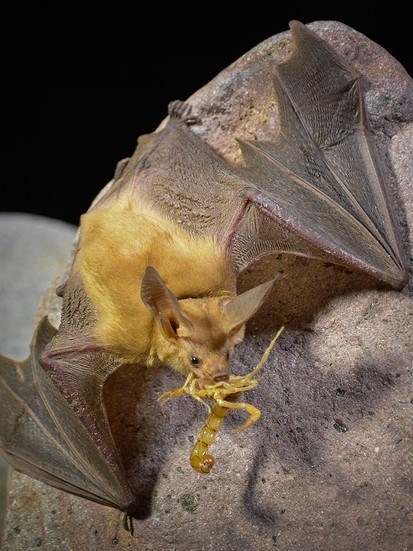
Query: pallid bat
x=154, y=277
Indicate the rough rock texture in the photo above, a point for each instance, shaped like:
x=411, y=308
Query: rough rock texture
x=34, y=251
x=329, y=465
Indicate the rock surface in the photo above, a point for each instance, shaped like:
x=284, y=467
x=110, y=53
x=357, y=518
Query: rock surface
x=329, y=465
x=34, y=251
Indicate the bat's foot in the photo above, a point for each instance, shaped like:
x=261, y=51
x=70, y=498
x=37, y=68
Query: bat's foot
x=182, y=111
x=128, y=523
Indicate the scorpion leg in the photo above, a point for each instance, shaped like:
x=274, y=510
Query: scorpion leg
x=254, y=413
x=169, y=394
x=264, y=357
x=177, y=392
x=241, y=386
x=189, y=388
x=233, y=386
x=197, y=395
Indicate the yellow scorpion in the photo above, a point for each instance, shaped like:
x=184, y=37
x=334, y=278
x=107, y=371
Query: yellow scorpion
x=223, y=395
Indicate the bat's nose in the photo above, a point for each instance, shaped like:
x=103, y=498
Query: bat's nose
x=223, y=377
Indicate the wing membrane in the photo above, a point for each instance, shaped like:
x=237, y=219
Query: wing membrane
x=320, y=180
x=42, y=435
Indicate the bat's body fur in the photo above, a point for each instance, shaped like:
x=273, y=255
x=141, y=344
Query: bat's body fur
x=112, y=265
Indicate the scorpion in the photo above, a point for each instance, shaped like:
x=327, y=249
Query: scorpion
x=224, y=396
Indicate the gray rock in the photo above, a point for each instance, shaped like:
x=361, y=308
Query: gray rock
x=329, y=465
x=33, y=250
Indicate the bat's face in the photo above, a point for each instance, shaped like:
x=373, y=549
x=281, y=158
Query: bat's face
x=206, y=347
x=198, y=335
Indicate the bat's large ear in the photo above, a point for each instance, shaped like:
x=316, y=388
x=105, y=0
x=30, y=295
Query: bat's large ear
x=241, y=308
x=164, y=305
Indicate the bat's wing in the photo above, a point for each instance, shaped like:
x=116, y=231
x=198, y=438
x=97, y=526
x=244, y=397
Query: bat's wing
x=53, y=425
x=320, y=180
x=315, y=191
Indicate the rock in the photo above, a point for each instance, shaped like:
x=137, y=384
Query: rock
x=34, y=250
x=328, y=466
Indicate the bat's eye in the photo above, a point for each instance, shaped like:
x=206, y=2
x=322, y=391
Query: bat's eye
x=194, y=360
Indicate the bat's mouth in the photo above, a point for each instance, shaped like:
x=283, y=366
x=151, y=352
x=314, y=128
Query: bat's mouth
x=205, y=378
x=221, y=378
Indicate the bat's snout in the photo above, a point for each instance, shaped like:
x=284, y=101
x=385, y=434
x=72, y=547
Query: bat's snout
x=212, y=374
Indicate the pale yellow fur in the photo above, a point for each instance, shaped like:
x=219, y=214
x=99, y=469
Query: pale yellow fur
x=117, y=243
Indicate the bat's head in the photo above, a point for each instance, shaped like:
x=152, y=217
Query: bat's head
x=199, y=335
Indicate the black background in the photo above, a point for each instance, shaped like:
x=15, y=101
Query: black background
x=81, y=87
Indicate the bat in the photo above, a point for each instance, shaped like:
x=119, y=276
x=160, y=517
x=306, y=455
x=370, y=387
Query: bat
x=153, y=280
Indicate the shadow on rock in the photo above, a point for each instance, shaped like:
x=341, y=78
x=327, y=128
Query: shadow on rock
x=306, y=417
x=306, y=287
x=134, y=420
x=145, y=432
